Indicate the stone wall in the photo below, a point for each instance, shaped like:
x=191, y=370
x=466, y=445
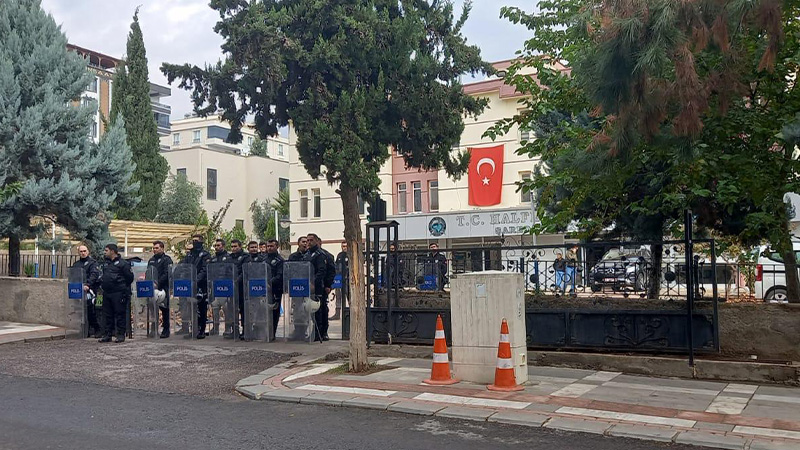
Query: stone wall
x=33, y=300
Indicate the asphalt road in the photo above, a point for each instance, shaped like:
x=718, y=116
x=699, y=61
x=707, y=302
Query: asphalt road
x=40, y=413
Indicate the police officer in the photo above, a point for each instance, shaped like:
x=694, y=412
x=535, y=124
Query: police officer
x=238, y=257
x=262, y=249
x=343, y=266
x=116, y=283
x=91, y=277
x=439, y=262
x=302, y=248
x=200, y=258
x=220, y=256
x=161, y=262
x=253, y=255
x=275, y=262
x=319, y=265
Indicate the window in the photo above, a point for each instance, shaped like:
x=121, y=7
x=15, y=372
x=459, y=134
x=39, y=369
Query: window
x=92, y=85
x=525, y=134
x=317, y=203
x=417, y=196
x=176, y=139
x=402, y=198
x=249, y=141
x=94, y=129
x=87, y=102
x=211, y=186
x=240, y=224
x=433, y=195
x=280, y=149
x=283, y=184
x=181, y=172
x=303, y=203
x=361, y=204
x=196, y=137
x=525, y=197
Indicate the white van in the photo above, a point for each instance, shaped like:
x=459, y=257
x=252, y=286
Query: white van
x=771, y=274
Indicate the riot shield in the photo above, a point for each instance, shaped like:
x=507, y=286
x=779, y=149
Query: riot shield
x=75, y=306
x=224, y=293
x=301, y=303
x=258, y=304
x=184, y=288
x=146, y=299
x=430, y=276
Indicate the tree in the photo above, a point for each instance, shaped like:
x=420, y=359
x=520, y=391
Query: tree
x=180, y=201
x=131, y=100
x=259, y=147
x=356, y=78
x=264, y=218
x=51, y=168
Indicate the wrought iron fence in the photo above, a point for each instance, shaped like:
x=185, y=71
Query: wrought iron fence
x=42, y=266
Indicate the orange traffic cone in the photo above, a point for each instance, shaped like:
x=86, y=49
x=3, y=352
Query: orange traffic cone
x=440, y=372
x=504, y=378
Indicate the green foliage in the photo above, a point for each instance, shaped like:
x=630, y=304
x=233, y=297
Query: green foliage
x=264, y=218
x=259, y=147
x=51, y=168
x=180, y=202
x=209, y=229
x=131, y=100
x=30, y=269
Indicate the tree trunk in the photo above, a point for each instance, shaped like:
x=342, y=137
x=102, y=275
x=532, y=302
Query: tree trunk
x=790, y=265
x=13, y=256
x=654, y=275
x=358, y=304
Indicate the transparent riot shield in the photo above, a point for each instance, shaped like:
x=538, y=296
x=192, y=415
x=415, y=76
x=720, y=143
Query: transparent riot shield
x=430, y=277
x=145, y=300
x=299, y=324
x=184, y=288
x=224, y=292
x=75, y=306
x=258, y=304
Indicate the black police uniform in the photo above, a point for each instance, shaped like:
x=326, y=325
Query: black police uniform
x=239, y=258
x=440, y=264
x=219, y=257
x=319, y=263
x=275, y=261
x=298, y=256
x=91, y=277
x=200, y=258
x=343, y=266
x=116, y=284
x=161, y=264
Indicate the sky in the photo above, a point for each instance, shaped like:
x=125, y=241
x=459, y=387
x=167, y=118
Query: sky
x=181, y=31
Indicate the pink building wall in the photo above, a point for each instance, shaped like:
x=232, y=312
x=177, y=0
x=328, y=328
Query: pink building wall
x=400, y=174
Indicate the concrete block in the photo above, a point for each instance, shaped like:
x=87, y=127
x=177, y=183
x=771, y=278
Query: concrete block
x=710, y=440
x=583, y=426
x=519, y=418
x=370, y=402
x=282, y=395
x=713, y=426
x=643, y=432
x=253, y=392
x=418, y=408
x=759, y=444
x=326, y=398
x=458, y=412
x=252, y=380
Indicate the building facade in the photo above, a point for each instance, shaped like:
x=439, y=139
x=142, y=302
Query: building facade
x=199, y=148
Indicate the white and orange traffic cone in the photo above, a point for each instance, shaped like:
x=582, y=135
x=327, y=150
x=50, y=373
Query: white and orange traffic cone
x=504, y=378
x=440, y=371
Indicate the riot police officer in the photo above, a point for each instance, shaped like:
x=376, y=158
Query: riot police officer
x=275, y=262
x=319, y=266
x=91, y=277
x=200, y=258
x=116, y=283
x=220, y=256
x=343, y=267
x=302, y=248
x=161, y=262
x=239, y=257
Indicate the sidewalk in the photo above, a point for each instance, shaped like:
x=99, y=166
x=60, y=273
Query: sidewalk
x=713, y=414
x=24, y=332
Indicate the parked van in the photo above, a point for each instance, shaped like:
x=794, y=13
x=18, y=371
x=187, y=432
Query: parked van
x=771, y=274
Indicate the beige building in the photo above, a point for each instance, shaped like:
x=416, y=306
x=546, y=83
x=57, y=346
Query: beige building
x=199, y=149
x=429, y=206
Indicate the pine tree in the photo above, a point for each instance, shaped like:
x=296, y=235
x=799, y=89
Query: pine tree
x=131, y=100
x=51, y=168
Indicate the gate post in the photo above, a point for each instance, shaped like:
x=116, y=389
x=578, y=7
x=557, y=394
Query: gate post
x=687, y=231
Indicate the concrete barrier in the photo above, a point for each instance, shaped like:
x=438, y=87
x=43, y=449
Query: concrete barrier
x=33, y=300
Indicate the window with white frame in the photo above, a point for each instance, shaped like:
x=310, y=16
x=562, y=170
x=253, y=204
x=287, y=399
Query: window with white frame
x=280, y=149
x=196, y=137
x=181, y=172
x=402, y=198
x=303, y=203
x=433, y=195
x=417, y=185
x=317, y=203
x=525, y=134
x=92, y=85
x=176, y=139
x=525, y=197
x=249, y=141
x=211, y=184
x=94, y=129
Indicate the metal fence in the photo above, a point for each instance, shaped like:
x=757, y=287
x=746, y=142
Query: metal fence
x=42, y=266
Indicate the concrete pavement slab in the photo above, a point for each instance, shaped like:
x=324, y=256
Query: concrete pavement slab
x=710, y=440
x=643, y=432
x=519, y=418
x=724, y=427
x=769, y=432
x=282, y=395
x=254, y=392
x=370, y=402
x=460, y=412
x=326, y=398
x=758, y=444
x=584, y=426
x=418, y=408
x=252, y=380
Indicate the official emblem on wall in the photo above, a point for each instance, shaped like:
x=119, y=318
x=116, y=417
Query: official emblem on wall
x=437, y=226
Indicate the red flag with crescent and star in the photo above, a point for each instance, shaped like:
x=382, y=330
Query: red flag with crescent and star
x=485, y=175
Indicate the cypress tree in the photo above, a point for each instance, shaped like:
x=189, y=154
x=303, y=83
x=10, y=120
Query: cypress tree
x=51, y=169
x=131, y=100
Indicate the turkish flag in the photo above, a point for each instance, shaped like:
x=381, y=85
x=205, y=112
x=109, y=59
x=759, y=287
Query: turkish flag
x=485, y=175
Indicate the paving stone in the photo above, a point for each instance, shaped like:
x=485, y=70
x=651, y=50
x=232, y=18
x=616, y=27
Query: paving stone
x=419, y=408
x=326, y=398
x=542, y=407
x=282, y=395
x=713, y=426
x=519, y=418
x=380, y=403
x=252, y=380
x=584, y=426
x=710, y=440
x=272, y=372
x=458, y=412
x=759, y=444
x=643, y=432
x=254, y=392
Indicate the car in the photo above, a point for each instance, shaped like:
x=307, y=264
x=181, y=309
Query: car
x=621, y=269
x=770, y=282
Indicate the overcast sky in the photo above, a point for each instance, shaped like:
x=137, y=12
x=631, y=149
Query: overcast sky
x=180, y=31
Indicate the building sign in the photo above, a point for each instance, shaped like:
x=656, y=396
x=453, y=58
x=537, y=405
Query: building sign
x=507, y=222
